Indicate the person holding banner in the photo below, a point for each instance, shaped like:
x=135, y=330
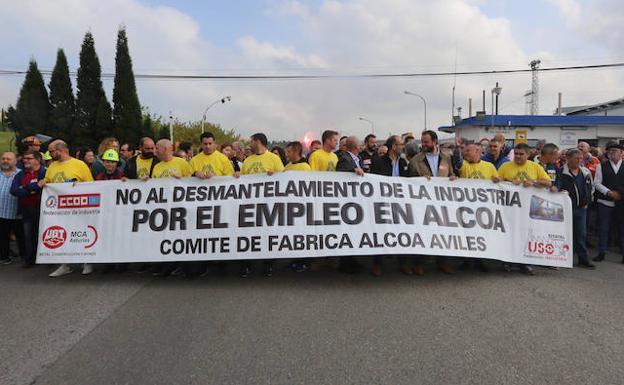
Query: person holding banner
x=431, y=163
x=350, y=161
x=391, y=164
x=475, y=168
x=112, y=171
x=259, y=162
x=25, y=187
x=528, y=173
x=170, y=166
x=65, y=169
x=296, y=161
x=141, y=165
x=210, y=161
x=577, y=182
x=324, y=159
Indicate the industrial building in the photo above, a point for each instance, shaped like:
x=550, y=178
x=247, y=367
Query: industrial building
x=565, y=131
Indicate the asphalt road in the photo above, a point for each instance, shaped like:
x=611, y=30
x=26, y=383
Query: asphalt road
x=322, y=327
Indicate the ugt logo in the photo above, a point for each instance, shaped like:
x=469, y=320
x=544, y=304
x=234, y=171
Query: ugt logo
x=54, y=237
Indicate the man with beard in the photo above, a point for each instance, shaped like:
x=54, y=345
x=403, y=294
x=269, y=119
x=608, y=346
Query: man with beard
x=430, y=162
x=369, y=153
x=261, y=161
x=9, y=219
x=141, y=166
x=391, y=164
x=65, y=169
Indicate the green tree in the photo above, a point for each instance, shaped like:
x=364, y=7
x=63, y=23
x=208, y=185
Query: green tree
x=62, y=100
x=104, y=120
x=32, y=111
x=89, y=97
x=127, y=109
x=147, y=128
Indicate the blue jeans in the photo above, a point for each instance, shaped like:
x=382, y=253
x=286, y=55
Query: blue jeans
x=579, y=231
x=605, y=214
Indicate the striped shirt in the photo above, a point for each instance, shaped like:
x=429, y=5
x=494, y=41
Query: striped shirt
x=8, y=202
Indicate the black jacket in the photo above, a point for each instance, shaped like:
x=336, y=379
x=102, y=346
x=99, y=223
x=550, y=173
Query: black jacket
x=383, y=166
x=566, y=182
x=346, y=163
x=130, y=171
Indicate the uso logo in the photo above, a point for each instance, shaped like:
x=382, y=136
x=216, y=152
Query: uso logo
x=78, y=201
x=54, y=237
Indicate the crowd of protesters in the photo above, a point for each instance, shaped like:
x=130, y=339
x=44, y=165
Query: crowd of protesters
x=592, y=178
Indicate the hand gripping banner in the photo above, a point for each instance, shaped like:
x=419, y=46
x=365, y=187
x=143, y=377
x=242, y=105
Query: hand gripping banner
x=302, y=214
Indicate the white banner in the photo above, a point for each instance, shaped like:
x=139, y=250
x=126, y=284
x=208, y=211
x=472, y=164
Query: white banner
x=302, y=214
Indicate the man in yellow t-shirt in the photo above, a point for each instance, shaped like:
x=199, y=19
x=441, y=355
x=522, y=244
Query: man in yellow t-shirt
x=296, y=161
x=523, y=171
x=169, y=165
x=324, y=158
x=140, y=166
x=474, y=168
x=529, y=174
x=261, y=160
x=210, y=162
x=64, y=169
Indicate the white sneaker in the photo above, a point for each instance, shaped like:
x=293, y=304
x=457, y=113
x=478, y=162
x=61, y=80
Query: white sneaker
x=61, y=271
x=87, y=269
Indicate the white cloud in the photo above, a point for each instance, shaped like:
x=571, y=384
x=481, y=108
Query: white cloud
x=355, y=36
x=271, y=54
x=571, y=9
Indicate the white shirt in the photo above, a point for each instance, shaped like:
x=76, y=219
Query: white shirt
x=602, y=188
x=434, y=162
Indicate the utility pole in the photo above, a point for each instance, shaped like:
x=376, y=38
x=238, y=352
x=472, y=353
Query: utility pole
x=534, y=86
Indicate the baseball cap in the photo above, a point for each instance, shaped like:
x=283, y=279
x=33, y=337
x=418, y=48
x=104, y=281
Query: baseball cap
x=111, y=155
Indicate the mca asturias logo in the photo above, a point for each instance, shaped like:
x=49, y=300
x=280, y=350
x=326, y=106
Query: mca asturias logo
x=56, y=236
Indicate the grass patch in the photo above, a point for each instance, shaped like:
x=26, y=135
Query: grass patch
x=7, y=141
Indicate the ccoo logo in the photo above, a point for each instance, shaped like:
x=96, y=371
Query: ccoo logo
x=54, y=237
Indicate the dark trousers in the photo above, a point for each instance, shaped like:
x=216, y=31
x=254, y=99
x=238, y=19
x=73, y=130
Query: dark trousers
x=30, y=223
x=579, y=231
x=605, y=215
x=6, y=225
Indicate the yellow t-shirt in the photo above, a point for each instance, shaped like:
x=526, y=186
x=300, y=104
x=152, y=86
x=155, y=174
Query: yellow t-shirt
x=258, y=164
x=176, y=166
x=300, y=166
x=69, y=171
x=321, y=160
x=510, y=171
x=143, y=167
x=479, y=170
x=215, y=163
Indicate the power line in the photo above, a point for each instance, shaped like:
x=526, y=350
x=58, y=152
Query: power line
x=337, y=76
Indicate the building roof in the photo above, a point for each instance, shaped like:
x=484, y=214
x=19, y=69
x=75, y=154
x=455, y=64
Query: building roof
x=593, y=108
x=536, y=120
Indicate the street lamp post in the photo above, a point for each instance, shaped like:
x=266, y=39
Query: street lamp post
x=222, y=100
x=495, y=91
x=424, y=102
x=369, y=122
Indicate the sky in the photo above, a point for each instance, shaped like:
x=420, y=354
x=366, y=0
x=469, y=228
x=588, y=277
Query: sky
x=328, y=37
